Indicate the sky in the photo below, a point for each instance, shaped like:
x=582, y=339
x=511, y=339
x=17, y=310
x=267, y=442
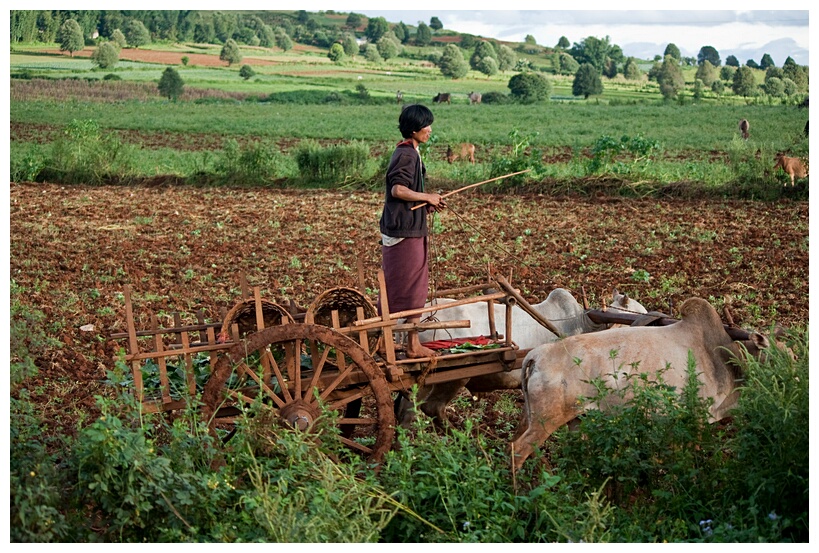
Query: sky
x=640, y=32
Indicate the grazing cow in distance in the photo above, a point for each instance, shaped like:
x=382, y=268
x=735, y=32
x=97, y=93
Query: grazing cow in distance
x=558, y=378
x=467, y=151
x=443, y=97
x=559, y=307
x=399, y=98
x=475, y=97
x=744, y=128
x=793, y=166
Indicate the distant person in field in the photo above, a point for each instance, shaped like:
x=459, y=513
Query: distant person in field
x=404, y=232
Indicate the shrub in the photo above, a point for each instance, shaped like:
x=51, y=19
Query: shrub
x=495, y=98
x=338, y=163
x=246, y=72
x=521, y=158
x=253, y=163
x=621, y=156
x=84, y=154
x=530, y=87
x=37, y=511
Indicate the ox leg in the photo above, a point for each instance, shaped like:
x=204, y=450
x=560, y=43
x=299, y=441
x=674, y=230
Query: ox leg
x=539, y=421
x=439, y=397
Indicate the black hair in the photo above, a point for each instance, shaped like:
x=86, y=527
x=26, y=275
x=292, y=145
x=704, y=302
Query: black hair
x=414, y=117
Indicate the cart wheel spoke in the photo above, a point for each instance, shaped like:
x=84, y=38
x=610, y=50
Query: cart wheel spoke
x=343, y=377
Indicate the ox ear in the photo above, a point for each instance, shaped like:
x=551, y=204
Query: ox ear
x=759, y=340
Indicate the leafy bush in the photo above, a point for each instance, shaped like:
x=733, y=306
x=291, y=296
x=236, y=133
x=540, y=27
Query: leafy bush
x=338, y=163
x=521, y=158
x=621, y=156
x=84, y=154
x=37, y=511
x=253, y=163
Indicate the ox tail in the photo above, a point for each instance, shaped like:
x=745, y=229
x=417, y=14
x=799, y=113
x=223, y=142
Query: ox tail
x=528, y=368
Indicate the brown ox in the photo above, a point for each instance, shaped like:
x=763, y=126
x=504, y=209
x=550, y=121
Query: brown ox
x=442, y=97
x=793, y=166
x=467, y=151
x=744, y=128
x=475, y=97
x=557, y=376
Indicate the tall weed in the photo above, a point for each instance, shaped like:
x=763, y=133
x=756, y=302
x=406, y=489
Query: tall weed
x=337, y=164
x=84, y=154
x=253, y=163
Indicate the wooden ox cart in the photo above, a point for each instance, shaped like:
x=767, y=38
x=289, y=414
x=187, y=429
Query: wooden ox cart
x=338, y=355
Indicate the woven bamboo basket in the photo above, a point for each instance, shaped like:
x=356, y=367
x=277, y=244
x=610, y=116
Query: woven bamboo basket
x=345, y=301
x=244, y=315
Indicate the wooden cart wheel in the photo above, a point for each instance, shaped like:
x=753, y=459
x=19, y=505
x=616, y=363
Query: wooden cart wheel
x=293, y=366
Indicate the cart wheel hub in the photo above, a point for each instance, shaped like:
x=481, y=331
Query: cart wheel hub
x=299, y=414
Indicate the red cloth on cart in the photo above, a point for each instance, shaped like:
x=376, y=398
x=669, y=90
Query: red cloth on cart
x=446, y=344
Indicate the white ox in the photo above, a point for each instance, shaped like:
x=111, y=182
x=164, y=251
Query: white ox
x=557, y=375
x=560, y=308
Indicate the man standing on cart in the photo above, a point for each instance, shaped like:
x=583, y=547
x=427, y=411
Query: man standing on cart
x=404, y=231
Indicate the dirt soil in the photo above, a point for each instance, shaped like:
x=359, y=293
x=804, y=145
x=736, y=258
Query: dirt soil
x=74, y=248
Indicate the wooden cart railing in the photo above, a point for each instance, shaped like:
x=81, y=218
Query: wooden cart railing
x=178, y=348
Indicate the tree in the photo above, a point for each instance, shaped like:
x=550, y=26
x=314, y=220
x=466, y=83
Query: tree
x=766, y=62
x=789, y=86
x=774, y=87
x=423, y=35
x=349, y=44
x=402, y=32
x=673, y=51
x=564, y=64
x=230, y=52
x=371, y=54
x=387, y=47
x=797, y=73
x=708, y=53
x=744, y=82
x=70, y=37
x=336, y=53
x=752, y=64
x=484, y=49
x=726, y=73
x=170, y=84
x=246, y=72
x=118, y=39
x=563, y=42
x=670, y=79
x=717, y=87
x=136, y=33
x=376, y=28
x=610, y=68
x=732, y=61
x=506, y=58
x=592, y=50
x=530, y=40
x=707, y=73
x=353, y=21
x=530, y=87
x=774, y=71
x=587, y=81
x=630, y=70
x=452, y=63
x=488, y=66
x=267, y=38
x=106, y=55
x=283, y=39
x=435, y=23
